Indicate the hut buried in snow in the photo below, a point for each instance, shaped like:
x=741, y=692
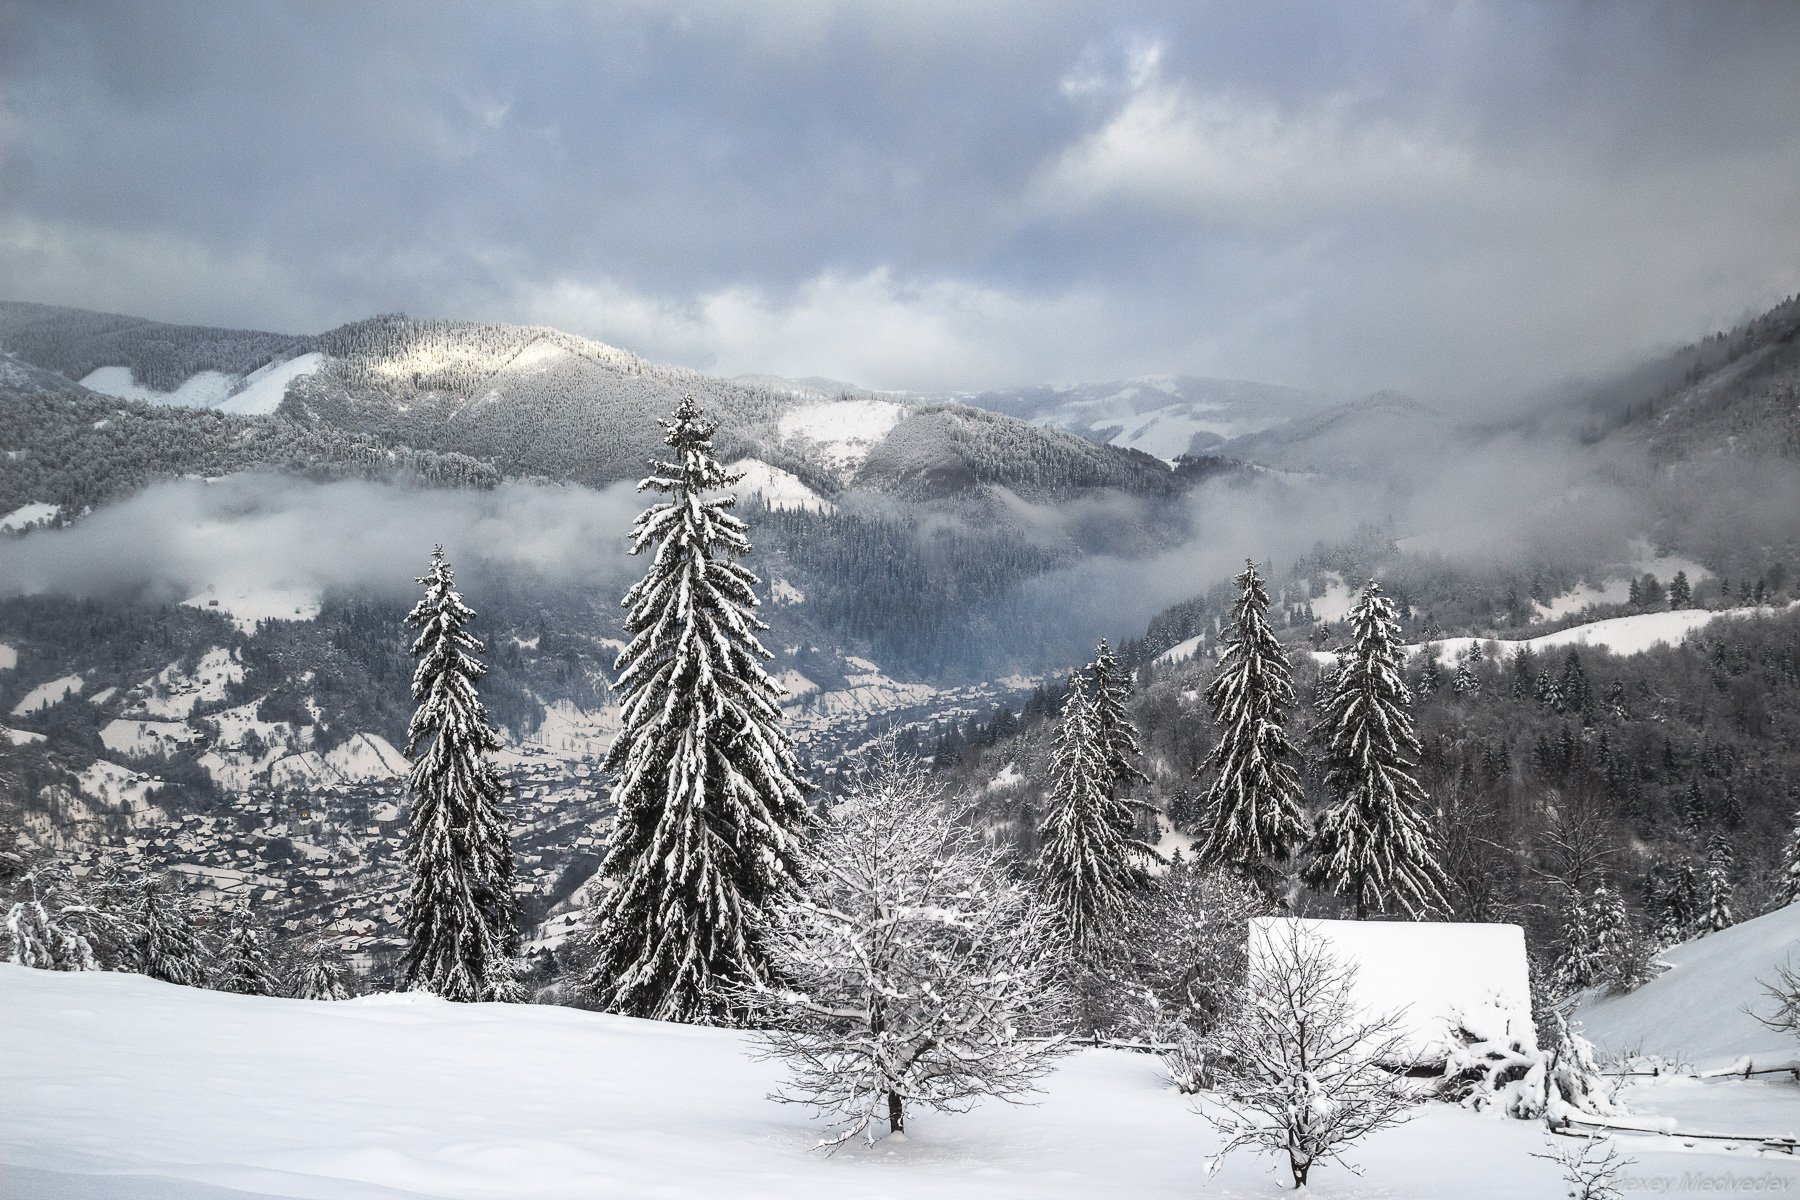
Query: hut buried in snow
x=1452, y=985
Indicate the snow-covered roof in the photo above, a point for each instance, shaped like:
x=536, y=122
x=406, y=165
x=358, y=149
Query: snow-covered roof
x=1438, y=976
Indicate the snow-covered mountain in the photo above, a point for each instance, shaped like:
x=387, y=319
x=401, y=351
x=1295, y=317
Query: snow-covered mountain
x=1165, y=416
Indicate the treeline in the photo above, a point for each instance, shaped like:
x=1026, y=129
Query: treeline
x=79, y=450
x=74, y=342
x=1670, y=778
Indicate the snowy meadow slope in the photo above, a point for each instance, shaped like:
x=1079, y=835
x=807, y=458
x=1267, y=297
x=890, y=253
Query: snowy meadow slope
x=117, y=1087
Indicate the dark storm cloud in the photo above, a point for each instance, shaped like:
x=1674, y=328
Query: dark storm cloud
x=1451, y=198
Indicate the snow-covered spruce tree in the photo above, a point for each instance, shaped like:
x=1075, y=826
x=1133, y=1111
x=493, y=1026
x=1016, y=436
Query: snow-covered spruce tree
x=1466, y=682
x=168, y=946
x=914, y=971
x=1255, y=819
x=1374, y=842
x=1682, y=903
x=1087, y=865
x=1303, y=1071
x=1110, y=688
x=461, y=915
x=107, y=913
x=1624, y=960
x=706, y=786
x=1599, y=947
x=1577, y=965
x=320, y=972
x=40, y=930
x=244, y=960
x=1717, y=885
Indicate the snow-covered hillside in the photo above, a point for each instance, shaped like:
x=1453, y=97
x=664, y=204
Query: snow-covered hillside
x=210, y=1095
x=256, y=393
x=1621, y=635
x=116, y=1087
x=1699, y=1011
x=840, y=433
x=28, y=516
x=1162, y=415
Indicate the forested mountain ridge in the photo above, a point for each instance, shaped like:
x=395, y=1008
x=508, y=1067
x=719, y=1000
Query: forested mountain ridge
x=534, y=401
x=75, y=449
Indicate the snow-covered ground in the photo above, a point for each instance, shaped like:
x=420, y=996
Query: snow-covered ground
x=1433, y=977
x=138, y=738
x=1180, y=652
x=841, y=432
x=256, y=393
x=204, y=390
x=1696, y=1011
x=262, y=390
x=28, y=515
x=1612, y=584
x=172, y=693
x=9, y=657
x=245, y=606
x=45, y=694
x=1621, y=635
x=116, y=1087
x=780, y=490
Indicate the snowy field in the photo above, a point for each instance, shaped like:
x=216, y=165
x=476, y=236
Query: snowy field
x=115, y=1087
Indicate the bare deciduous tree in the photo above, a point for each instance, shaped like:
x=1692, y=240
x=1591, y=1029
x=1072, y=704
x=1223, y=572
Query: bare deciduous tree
x=1303, y=1070
x=913, y=969
x=1784, y=990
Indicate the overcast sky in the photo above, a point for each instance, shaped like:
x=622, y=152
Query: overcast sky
x=1454, y=199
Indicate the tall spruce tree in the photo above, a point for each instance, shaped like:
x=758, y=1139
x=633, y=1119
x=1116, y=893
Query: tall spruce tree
x=1109, y=688
x=706, y=786
x=1578, y=962
x=1717, y=882
x=461, y=914
x=1255, y=818
x=1087, y=864
x=1374, y=842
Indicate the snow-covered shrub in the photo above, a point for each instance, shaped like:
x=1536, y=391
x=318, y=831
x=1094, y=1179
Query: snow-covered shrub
x=1784, y=990
x=1591, y=1168
x=913, y=969
x=319, y=972
x=244, y=966
x=1190, y=952
x=1302, y=1069
x=1508, y=1073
